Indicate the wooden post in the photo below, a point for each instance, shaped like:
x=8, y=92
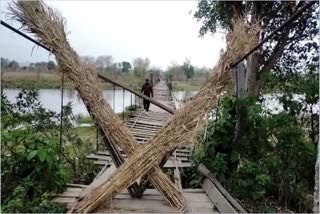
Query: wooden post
x=151, y=78
x=239, y=79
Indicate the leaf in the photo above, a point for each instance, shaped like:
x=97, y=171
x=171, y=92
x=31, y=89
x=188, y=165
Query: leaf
x=42, y=154
x=32, y=154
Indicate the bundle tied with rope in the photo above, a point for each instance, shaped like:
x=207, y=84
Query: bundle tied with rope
x=48, y=27
x=180, y=130
x=184, y=126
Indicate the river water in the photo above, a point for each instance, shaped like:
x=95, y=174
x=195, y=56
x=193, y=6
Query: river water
x=51, y=99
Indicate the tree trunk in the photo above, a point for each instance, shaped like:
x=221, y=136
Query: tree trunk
x=252, y=84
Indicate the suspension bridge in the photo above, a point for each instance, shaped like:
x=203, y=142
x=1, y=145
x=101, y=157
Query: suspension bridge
x=209, y=199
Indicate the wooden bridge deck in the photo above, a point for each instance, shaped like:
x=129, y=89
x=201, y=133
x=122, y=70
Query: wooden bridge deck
x=144, y=126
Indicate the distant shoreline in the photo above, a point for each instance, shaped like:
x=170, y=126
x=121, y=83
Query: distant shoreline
x=52, y=80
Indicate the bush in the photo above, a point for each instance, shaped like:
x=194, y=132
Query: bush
x=272, y=160
x=34, y=164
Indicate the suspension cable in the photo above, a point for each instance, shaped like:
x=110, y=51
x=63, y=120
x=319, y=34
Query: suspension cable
x=61, y=114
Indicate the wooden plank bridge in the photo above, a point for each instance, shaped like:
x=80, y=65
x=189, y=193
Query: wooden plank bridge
x=144, y=125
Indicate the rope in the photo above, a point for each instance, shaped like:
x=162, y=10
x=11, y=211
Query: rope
x=61, y=113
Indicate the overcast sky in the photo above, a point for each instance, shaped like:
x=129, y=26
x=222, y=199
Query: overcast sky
x=164, y=31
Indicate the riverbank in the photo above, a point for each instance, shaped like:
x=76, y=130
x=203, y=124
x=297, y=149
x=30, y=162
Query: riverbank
x=52, y=80
x=186, y=85
x=85, y=127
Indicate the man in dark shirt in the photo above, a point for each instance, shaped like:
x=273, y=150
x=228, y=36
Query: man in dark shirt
x=147, y=91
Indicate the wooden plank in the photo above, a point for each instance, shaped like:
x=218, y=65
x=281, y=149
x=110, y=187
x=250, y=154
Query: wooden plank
x=137, y=206
x=169, y=164
x=191, y=197
x=63, y=200
x=101, y=163
x=96, y=183
x=67, y=194
x=99, y=157
x=200, y=210
x=145, y=127
x=177, y=179
x=74, y=189
x=77, y=185
x=203, y=170
x=216, y=197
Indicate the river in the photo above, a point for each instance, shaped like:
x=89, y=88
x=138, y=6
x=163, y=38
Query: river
x=51, y=99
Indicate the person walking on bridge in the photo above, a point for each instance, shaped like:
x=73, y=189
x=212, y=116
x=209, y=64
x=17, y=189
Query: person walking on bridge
x=147, y=91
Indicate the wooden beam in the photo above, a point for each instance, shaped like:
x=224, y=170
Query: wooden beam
x=203, y=170
x=216, y=197
x=177, y=179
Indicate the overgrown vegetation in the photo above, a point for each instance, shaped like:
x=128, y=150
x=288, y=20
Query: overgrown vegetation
x=267, y=158
x=34, y=165
x=270, y=167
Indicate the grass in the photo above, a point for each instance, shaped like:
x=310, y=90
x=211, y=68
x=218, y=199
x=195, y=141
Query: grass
x=32, y=79
x=84, y=119
x=186, y=86
x=91, y=131
x=86, y=131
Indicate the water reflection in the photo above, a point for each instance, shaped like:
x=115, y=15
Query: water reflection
x=270, y=102
x=51, y=99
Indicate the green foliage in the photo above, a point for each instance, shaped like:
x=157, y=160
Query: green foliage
x=51, y=65
x=34, y=166
x=273, y=159
x=126, y=66
x=141, y=66
x=188, y=69
x=29, y=153
x=132, y=107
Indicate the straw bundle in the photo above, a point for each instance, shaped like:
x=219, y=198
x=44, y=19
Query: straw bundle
x=48, y=27
x=183, y=127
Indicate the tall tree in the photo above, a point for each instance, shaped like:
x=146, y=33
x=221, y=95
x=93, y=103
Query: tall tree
x=4, y=63
x=87, y=60
x=13, y=65
x=51, y=65
x=188, y=69
x=104, y=63
x=140, y=66
x=218, y=15
x=126, y=66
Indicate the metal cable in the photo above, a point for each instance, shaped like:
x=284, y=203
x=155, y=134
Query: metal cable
x=61, y=114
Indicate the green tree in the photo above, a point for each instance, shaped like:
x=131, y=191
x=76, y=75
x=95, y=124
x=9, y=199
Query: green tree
x=126, y=66
x=13, y=65
x=51, y=65
x=141, y=66
x=31, y=150
x=292, y=43
x=4, y=63
x=188, y=69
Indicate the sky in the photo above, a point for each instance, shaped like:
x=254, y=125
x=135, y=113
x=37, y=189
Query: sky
x=163, y=31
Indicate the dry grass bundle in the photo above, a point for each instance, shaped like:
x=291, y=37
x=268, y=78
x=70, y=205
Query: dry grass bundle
x=183, y=127
x=48, y=27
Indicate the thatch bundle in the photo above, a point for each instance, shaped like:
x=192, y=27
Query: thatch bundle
x=48, y=27
x=183, y=127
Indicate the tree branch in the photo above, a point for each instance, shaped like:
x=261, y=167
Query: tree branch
x=276, y=54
